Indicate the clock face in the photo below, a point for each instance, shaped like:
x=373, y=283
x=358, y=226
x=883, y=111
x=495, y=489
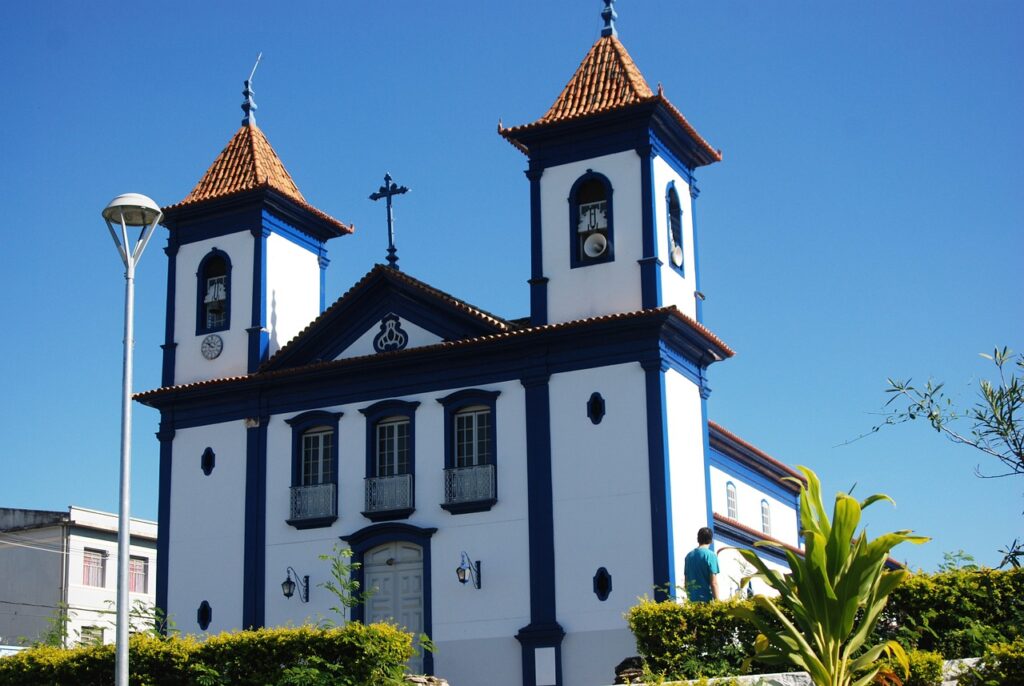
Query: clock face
x=211, y=346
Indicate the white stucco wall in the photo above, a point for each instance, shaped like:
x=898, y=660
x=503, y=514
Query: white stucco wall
x=189, y=363
x=748, y=505
x=600, y=288
x=676, y=289
x=293, y=290
x=686, y=465
x=733, y=569
x=418, y=337
x=207, y=526
x=601, y=508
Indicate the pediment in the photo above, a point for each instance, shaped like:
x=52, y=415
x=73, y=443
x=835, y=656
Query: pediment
x=385, y=311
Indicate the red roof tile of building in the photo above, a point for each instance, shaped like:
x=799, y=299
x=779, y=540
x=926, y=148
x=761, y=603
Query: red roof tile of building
x=760, y=453
x=606, y=80
x=247, y=163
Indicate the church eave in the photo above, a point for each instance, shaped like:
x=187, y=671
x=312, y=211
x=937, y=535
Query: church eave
x=581, y=344
x=735, y=447
x=303, y=216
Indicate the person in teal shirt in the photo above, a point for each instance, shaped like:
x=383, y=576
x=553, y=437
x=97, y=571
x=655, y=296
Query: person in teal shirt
x=700, y=570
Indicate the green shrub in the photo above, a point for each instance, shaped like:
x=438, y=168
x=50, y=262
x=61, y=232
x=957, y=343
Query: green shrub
x=925, y=669
x=1002, y=664
x=354, y=655
x=693, y=640
x=956, y=613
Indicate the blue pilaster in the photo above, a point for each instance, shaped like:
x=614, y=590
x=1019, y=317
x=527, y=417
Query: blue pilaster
x=694, y=193
x=259, y=337
x=255, y=543
x=660, y=478
x=650, y=274
x=166, y=437
x=538, y=282
x=169, y=346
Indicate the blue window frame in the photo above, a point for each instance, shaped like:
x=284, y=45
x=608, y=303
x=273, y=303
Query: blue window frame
x=674, y=216
x=470, y=451
x=213, y=293
x=390, y=491
x=591, y=227
x=314, y=490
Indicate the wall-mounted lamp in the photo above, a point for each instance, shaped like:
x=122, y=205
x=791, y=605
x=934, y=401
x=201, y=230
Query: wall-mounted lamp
x=288, y=585
x=468, y=570
x=699, y=295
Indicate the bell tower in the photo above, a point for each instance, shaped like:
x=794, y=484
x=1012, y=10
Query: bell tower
x=612, y=187
x=246, y=258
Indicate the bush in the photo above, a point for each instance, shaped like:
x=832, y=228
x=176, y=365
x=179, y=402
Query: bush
x=925, y=669
x=354, y=655
x=693, y=640
x=956, y=613
x=1001, y=665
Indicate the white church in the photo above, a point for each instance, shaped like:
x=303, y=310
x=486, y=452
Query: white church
x=509, y=486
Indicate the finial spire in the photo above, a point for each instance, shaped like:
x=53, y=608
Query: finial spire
x=389, y=189
x=249, y=106
x=609, y=16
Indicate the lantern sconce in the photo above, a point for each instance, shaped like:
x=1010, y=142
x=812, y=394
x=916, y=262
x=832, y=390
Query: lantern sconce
x=288, y=585
x=468, y=570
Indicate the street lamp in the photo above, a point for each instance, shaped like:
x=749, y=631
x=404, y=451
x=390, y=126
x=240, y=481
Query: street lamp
x=130, y=210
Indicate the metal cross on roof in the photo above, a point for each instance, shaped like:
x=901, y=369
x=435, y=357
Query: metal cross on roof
x=609, y=16
x=388, y=190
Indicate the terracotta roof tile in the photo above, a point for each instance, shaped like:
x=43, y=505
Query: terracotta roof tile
x=606, y=80
x=760, y=535
x=760, y=453
x=247, y=163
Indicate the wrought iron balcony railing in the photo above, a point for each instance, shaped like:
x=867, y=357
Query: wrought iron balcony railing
x=469, y=484
x=313, y=502
x=389, y=495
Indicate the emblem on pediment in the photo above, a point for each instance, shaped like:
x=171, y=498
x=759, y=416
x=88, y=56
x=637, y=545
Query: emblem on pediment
x=391, y=336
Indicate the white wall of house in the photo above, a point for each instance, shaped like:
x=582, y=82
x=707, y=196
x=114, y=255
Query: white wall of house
x=748, y=502
x=676, y=288
x=190, y=365
x=293, y=290
x=599, y=288
x=207, y=526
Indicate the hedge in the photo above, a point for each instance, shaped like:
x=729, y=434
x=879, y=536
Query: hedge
x=955, y=614
x=354, y=655
x=1001, y=665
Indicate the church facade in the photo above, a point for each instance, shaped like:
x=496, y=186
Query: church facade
x=508, y=487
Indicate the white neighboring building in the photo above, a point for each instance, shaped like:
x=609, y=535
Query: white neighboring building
x=568, y=452
x=49, y=559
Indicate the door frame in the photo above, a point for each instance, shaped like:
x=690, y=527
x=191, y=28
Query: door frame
x=374, y=535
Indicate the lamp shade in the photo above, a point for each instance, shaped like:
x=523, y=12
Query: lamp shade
x=135, y=208
x=288, y=586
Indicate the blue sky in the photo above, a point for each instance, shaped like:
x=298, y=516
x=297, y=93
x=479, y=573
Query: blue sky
x=866, y=221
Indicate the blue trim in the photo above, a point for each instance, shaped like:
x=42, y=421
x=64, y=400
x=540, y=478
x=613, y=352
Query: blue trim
x=575, y=260
x=650, y=272
x=201, y=327
x=741, y=539
x=163, y=536
x=437, y=369
x=300, y=424
x=595, y=408
x=752, y=478
x=538, y=282
x=673, y=239
x=259, y=337
x=543, y=629
x=204, y=615
x=255, y=543
x=323, y=262
x=207, y=461
x=374, y=535
x=169, y=346
x=706, y=442
x=602, y=584
x=374, y=414
x=694, y=193
x=660, y=478
x=735, y=494
x=453, y=404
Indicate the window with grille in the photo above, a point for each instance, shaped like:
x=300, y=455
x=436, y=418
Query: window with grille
x=213, y=291
x=766, y=518
x=675, y=228
x=393, y=446
x=316, y=457
x=473, y=437
x=732, y=510
x=138, y=575
x=94, y=568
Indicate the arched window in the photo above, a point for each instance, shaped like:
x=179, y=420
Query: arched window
x=731, y=506
x=766, y=518
x=590, y=220
x=213, y=291
x=675, y=228
x=470, y=451
x=314, y=491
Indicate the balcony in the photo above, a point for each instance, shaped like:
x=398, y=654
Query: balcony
x=389, y=497
x=470, y=489
x=313, y=506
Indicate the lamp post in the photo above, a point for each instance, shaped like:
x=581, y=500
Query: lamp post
x=130, y=210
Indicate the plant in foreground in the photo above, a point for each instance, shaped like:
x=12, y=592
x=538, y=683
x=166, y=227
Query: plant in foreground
x=834, y=593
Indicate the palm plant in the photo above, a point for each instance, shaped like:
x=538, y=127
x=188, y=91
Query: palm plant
x=831, y=598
